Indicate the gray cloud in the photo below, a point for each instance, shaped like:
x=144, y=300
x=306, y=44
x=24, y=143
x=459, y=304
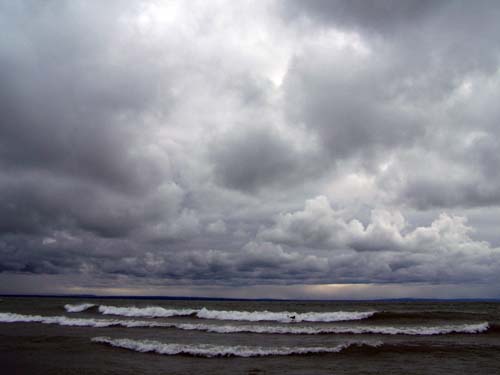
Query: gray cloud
x=318, y=225
x=345, y=100
x=435, y=33
x=246, y=161
x=382, y=16
x=442, y=251
x=151, y=143
x=261, y=157
x=419, y=86
x=63, y=94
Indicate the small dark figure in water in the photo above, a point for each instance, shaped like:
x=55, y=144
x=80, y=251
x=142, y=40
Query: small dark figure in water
x=292, y=317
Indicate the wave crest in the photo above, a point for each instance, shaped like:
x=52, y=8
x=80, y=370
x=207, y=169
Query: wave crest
x=251, y=316
x=207, y=350
x=260, y=329
x=382, y=330
x=145, y=312
x=283, y=316
x=78, y=308
x=75, y=322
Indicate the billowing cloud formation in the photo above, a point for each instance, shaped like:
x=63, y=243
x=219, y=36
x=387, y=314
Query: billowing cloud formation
x=319, y=226
x=431, y=252
x=242, y=143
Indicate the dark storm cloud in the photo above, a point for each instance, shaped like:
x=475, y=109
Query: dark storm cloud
x=380, y=16
x=461, y=174
x=64, y=252
x=346, y=101
x=74, y=145
x=184, y=143
x=428, y=45
x=420, y=82
x=65, y=94
x=247, y=160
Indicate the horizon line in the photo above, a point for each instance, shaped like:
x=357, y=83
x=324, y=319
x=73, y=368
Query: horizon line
x=200, y=298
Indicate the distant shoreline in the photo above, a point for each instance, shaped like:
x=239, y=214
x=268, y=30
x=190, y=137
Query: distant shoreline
x=197, y=298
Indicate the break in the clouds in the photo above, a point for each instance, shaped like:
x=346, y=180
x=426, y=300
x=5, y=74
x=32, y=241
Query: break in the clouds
x=179, y=145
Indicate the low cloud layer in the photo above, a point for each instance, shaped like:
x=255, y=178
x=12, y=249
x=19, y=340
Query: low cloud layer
x=237, y=144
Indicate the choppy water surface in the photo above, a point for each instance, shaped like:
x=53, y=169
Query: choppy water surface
x=77, y=336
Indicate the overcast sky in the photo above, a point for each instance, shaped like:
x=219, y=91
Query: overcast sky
x=311, y=149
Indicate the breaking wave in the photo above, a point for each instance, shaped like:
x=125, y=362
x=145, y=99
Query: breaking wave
x=78, y=308
x=145, y=312
x=412, y=331
x=76, y=322
x=284, y=316
x=261, y=329
x=207, y=350
x=251, y=316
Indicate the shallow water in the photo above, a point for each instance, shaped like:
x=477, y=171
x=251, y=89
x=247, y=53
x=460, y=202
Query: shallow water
x=57, y=335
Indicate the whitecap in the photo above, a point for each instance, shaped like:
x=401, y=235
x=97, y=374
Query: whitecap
x=208, y=350
x=252, y=316
x=78, y=308
x=76, y=322
x=315, y=330
x=149, y=312
x=283, y=316
x=260, y=329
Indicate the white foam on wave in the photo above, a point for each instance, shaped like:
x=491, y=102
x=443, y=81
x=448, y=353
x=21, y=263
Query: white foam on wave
x=145, y=312
x=75, y=322
x=207, y=350
x=261, y=329
x=284, y=316
x=426, y=331
x=78, y=308
x=252, y=316
x=412, y=331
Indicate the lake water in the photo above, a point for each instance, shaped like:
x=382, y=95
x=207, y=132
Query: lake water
x=128, y=336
